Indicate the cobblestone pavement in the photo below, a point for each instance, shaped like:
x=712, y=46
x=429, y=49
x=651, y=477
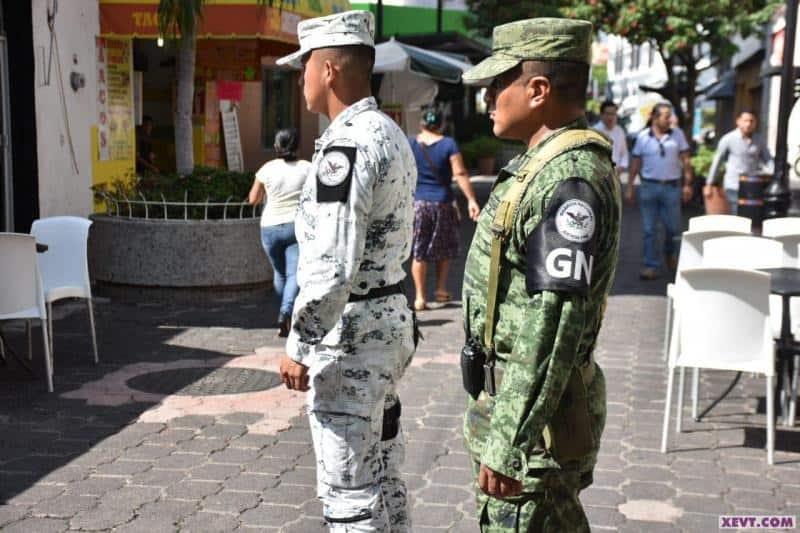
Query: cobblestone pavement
x=147, y=441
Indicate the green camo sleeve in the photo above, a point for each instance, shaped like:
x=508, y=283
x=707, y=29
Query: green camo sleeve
x=536, y=375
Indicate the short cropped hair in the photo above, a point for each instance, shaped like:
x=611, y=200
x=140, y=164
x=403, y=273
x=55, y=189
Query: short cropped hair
x=569, y=79
x=357, y=59
x=746, y=112
x=608, y=103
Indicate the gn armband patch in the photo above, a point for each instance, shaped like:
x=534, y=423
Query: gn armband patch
x=561, y=249
x=335, y=173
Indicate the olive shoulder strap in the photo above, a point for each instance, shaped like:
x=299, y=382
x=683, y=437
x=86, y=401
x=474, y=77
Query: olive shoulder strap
x=503, y=221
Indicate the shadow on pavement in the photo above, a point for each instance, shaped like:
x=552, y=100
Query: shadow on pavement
x=41, y=432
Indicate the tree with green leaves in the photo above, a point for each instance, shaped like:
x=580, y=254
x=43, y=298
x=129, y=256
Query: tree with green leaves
x=179, y=19
x=681, y=31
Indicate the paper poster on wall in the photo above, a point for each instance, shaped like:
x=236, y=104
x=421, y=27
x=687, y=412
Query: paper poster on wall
x=115, y=100
x=230, y=132
x=103, y=153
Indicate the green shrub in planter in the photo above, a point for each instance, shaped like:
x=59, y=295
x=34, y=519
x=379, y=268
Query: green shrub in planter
x=478, y=148
x=204, y=184
x=701, y=161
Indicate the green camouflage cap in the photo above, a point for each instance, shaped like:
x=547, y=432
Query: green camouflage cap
x=539, y=39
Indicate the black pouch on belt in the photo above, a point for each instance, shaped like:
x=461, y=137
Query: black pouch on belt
x=391, y=422
x=473, y=359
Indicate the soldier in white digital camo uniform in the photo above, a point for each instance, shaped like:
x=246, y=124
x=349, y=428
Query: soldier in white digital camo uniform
x=353, y=333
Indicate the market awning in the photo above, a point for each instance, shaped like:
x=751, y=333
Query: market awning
x=721, y=89
x=394, y=56
x=450, y=42
x=222, y=19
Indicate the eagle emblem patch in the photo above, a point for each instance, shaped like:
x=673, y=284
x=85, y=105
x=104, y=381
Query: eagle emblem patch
x=334, y=168
x=335, y=174
x=575, y=221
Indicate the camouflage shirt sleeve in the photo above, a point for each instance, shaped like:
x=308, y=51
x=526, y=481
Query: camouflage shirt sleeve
x=536, y=374
x=332, y=256
x=546, y=348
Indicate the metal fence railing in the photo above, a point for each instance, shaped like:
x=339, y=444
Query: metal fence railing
x=144, y=208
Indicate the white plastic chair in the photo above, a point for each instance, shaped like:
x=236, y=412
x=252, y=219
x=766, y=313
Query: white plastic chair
x=738, y=338
x=21, y=292
x=742, y=252
x=64, y=266
x=721, y=223
x=691, y=256
x=781, y=226
x=787, y=232
x=751, y=253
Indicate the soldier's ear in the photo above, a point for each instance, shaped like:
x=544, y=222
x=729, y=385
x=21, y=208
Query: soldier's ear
x=329, y=72
x=538, y=90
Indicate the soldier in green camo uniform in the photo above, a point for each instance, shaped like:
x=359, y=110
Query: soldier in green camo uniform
x=534, y=443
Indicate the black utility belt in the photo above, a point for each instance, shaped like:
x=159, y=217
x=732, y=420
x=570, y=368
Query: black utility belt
x=669, y=183
x=378, y=292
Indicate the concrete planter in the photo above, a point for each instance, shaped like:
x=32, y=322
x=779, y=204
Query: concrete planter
x=177, y=253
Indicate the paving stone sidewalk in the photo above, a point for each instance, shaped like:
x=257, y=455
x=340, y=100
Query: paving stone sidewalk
x=133, y=444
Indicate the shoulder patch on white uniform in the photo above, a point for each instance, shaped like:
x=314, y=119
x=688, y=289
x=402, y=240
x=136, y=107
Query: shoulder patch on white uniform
x=575, y=220
x=334, y=168
x=335, y=173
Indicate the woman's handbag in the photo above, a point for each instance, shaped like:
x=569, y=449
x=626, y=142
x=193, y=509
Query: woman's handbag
x=716, y=202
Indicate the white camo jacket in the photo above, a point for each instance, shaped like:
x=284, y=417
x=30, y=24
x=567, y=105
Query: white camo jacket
x=354, y=223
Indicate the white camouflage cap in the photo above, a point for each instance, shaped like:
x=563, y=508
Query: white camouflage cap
x=341, y=29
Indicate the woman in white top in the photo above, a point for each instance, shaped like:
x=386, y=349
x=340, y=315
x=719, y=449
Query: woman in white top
x=281, y=180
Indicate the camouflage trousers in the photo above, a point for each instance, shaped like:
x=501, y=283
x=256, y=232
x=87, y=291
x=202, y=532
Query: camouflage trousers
x=358, y=442
x=555, y=508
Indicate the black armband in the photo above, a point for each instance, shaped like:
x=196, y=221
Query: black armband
x=561, y=248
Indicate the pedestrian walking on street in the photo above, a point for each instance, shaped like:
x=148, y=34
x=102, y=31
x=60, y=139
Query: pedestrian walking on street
x=608, y=126
x=352, y=331
x=538, y=272
x=279, y=182
x=743, y=152
x=436, y=217
x=661, y=156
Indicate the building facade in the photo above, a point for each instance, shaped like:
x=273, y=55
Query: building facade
x=84, y=73
x=404, y=17
x=631, y=67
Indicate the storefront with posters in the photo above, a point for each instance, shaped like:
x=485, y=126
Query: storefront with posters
x=86, y=72
x=238, y=42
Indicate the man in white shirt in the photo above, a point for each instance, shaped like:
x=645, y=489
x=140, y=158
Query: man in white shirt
x=743, y=152
x=608, y=126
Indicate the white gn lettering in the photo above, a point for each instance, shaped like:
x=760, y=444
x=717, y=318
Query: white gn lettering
x=561, y=264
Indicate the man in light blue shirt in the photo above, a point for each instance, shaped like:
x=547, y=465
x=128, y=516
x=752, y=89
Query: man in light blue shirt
x=743, y=152
x=661, y=156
